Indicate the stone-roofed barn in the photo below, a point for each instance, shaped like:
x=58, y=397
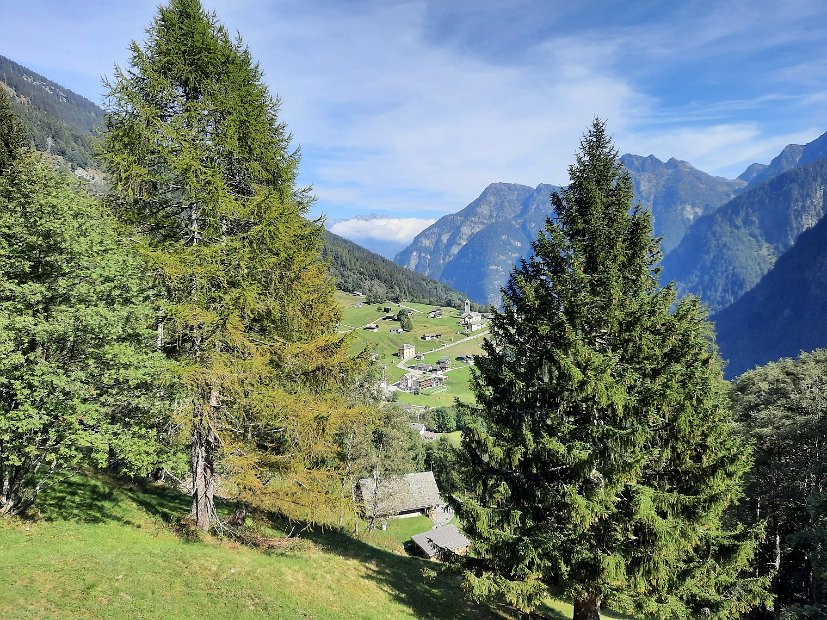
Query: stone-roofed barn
x=434, y=543
x=407, y=495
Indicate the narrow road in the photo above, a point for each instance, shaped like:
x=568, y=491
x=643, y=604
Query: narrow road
x=445, y=346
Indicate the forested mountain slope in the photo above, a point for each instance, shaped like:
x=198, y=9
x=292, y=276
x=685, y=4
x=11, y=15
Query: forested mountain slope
x=59, y=121
x=726, y=253
x=786, y=313
x=357, y=269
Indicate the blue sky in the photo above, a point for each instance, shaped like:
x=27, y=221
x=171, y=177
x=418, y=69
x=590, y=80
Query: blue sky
x=409, y=109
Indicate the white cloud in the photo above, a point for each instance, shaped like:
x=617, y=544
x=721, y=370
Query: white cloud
x=397, y=229
x=725, y=149
x=399, y=115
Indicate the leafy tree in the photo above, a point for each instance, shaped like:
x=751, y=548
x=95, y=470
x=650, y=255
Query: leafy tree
x=379, y=445
x=603, y=457
x=78, y=379
x=442, y=419
x=783, y=409
x=201, y=164
x=406, y=323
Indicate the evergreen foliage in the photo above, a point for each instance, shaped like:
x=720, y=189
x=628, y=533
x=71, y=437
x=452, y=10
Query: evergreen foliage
x=783, y=409
x=12, y=134
x=603, y=458
x=442, y=458
x=78, y=380
x=357, y=269
x=57, y=120
x=201, y=164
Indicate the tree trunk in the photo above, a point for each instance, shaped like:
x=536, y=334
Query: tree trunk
x=203, y=475
x=587, y=607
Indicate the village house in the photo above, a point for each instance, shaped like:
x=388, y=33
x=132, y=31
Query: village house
x=400, y=496
x=406, y=351
x=434, y=543
x=372, y=327
x=436, y=313
x=431, y=336
x=424, y=433
x=443, y=363
x=414, y=383
x=472, y=321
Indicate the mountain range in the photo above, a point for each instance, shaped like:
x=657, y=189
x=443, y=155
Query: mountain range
x=753, y=248
x=726, y=253
x=723, y=240
x=475, y=249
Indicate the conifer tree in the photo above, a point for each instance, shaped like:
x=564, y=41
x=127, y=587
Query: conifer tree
x=603, y=459
x=783, y=409
x=201, y=164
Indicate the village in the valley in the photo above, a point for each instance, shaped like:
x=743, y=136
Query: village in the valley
x=426, y=367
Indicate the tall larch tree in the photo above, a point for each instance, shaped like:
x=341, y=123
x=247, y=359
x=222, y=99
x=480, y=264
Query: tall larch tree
x=603, y=460
x=201, y=164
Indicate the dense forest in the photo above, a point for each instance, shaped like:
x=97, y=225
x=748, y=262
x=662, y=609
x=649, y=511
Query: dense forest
x=357, y=269
x=58, y=121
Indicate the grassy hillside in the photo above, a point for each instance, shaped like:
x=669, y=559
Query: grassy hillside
x=452, y=343
x=97, y=549
x=104, y=551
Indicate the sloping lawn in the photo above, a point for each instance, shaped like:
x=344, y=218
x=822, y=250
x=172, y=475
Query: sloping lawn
x=102, y=551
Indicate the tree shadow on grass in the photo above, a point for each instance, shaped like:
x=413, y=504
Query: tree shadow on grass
x=429, y=589
x=79, y=498
x=162, y=502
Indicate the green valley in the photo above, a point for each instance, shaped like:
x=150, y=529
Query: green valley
x=451, y=342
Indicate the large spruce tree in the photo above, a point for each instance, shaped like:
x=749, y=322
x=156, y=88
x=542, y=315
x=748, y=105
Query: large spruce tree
x=201, y=164
x=603, y=458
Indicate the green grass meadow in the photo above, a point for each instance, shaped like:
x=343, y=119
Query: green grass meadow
x=98, y=550
x=386, y=345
